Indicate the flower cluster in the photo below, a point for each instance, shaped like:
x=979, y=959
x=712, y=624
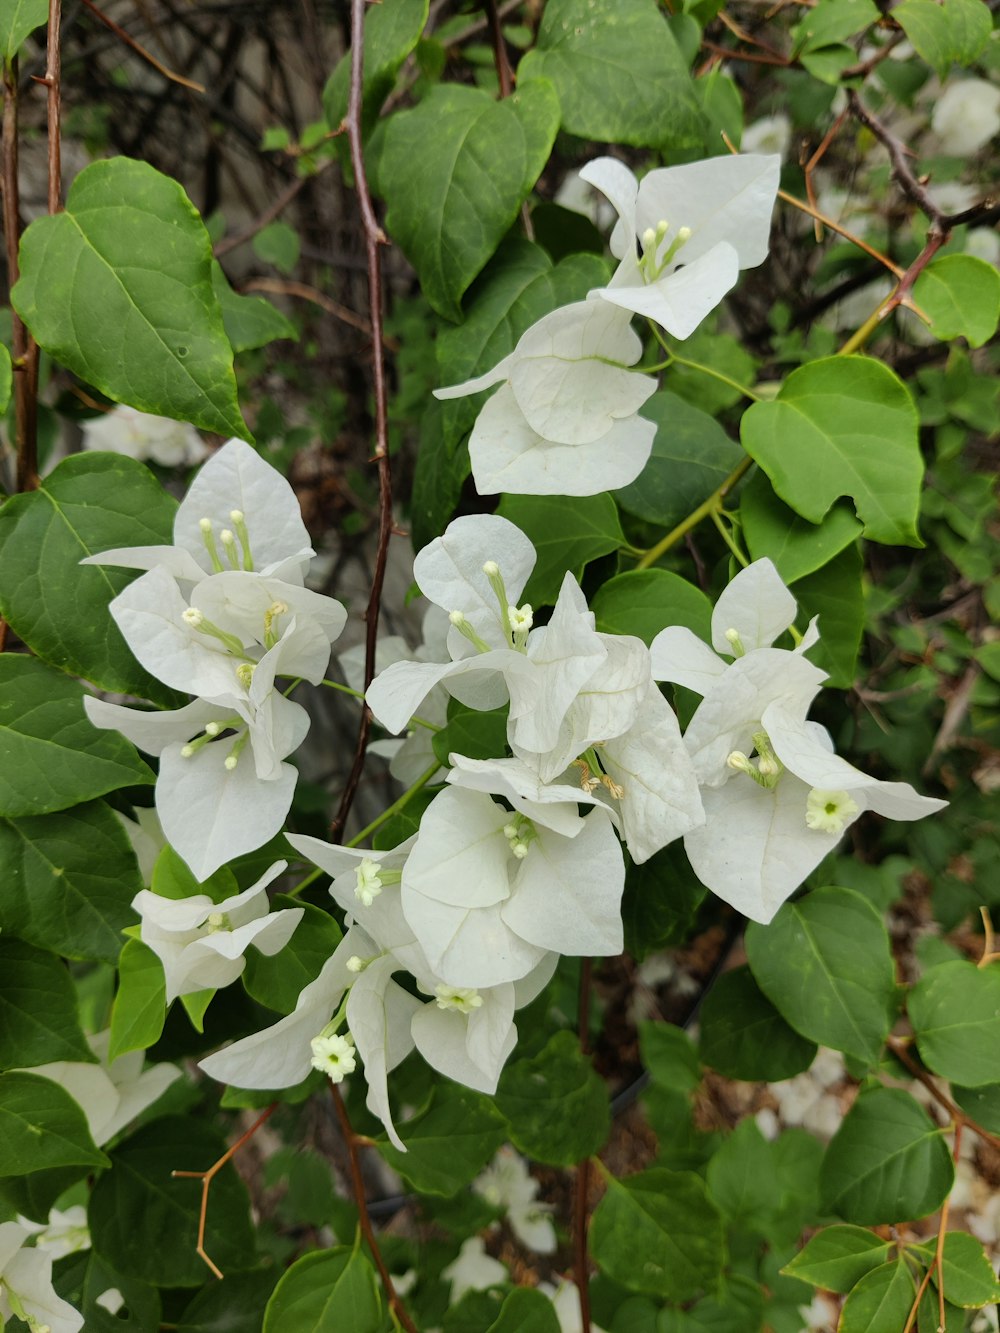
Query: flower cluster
x=126, y=430
x=223, y=614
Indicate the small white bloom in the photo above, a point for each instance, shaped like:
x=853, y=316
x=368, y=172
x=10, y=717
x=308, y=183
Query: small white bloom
x=369, y=884
x=966, y=116
x=125, y=430
x=829, y=811
x=334, y=1056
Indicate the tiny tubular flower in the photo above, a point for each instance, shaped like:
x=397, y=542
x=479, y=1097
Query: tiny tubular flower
x=369, y=882
x=462, y=999
x=829, y=811
x=334, y=1056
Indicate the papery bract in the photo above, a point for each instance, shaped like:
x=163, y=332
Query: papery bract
x=125, y=430
x=26, y=1284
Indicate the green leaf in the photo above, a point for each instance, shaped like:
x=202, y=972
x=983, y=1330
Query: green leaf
x=455, y=171
x=41, y=1127
x=618, y=71
x=449, y=1143
x=174, y=878
x=234, y=1306
x=472, y=733
x=692, y=456
x=567, y=531
x=51, y=755
x=661, y=902
x=6, y=378
x=556, y=1104
x=91, y=502
x=959, y=293
x=38, y=1018
x=929, y=1315
x=658, y=1233
x=881, y=1300
x=743, y=1036
x=18, y=19
x=825, y=963
x=955, y=1012
x=742, y=1179
x=140, y=1006
x=721, y=352
x=888, y=1161
x=644, y=601
x=953, y=32
x=838, y=1257
x=969, y=1279
x=835, y=594
x=145, y=1220
x=392, y=30
x=669, y=1056
x=845, y=425
x=526, y=1311
x=118, y=288
x=249, y=321
x=278, y=981
x=833, y=21
x=278, y=244
x=69, y=880
x=440, y=473
x=326, y=1292
x=981, y=1104
x=796, y=546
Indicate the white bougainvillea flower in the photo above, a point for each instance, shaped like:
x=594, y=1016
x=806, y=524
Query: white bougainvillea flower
x=126, y=430
x=240, y=513
x=769, y=134
x=508, y=1184
x=966, y=116
x=685, y=232
x=488, y=893
x=62, y=1233
x=201, y=943
x=473, y=1269
x=26, y=1290
x=111, y=1093
x=565, y=421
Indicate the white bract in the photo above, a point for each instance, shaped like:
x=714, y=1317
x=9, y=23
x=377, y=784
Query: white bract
x=62, y=1233
x=966, y=116
x=126, y=430
x=508, y=1184
x=473, y=1269
x=201, y=943
x=776, y=797
x=26, y=1289
x=565, y=421
x=696, y=226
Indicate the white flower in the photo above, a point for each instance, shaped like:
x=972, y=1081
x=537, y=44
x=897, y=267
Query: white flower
x=110, y=1094
x=565, y=420
x=770, y=134
x=125, y=430
x=966, y=116
x=473, y=1270
x=333, y=1056
x=235, y=493
x=696, y=226
x=26, y=1289
x=565, y=1300
x=62, y=1234
x=508, y=1184
x=201, y=943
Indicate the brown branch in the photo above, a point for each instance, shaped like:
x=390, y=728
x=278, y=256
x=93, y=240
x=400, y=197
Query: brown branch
x=754, y=57
x=581, y=1268
x=374, y=238
x=285, y=287
x=352, y=1142
x=902, y=172
x=53, y=74
x=141, y=51
x=814, y=162
x=904, y=1057
x=25, y=349
x=505, y=75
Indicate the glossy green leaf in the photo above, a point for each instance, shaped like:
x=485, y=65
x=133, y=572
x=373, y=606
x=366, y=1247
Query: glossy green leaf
x=838, y=1257
x=556, y=1103
x=658, y=1233
x=145, y=1220
x=825, y=963
x=661, y=902
x=644, y=601
x=326, y=1292
x=881, y=1300
x=743, y=1036
x=449, y=1143
x=472, y=733
x=392, y=30
x=669, y=1056
x=835, y=594
x=455, y=171
x=41, y=1127
x=38, y=1017
x=234, y=1306
x=959, y=293
x=969, y=1279
x=742, y=1179
x=69, y=880
x=567, y=531
x=526, y=1311
x=842, y=426
x=888, y=1161
x=249, y=321
x=118, y=287
x=796, y=546
x=944, y=34
x=140, y=1006
x=441, y=471
x=278, y=244
x=51, y=755
x=279, y=980
x=981, y=1104
x=618, y=71
x=18, y=19
x=692, y=456
x=955, y=1012
x=833, y=21
x=89, y=503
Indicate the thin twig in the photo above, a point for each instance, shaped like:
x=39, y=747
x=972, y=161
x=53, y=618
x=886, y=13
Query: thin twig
x=284, y=287
x=505, y=75
x=25, y=349
x=958, y=1115
x=752, y=56
x=581, y=1268
x=269, y=214
x=141, y=51
x=814, y=162
x=374, y=238
x=351, y=1141
x=53, y=75
x=902, y=172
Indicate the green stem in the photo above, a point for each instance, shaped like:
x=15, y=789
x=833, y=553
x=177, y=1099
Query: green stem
x=396, y=806
x=304, y=883
x=712, y=504
x=717, y=375
x=359, y=694
x=866, y=330
x=726, y=535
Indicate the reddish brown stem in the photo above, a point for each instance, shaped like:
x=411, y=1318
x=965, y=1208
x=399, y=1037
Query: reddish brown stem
x=505, y=75
x=581, y=1267
x=24, y=347
x=53, y=75
x=957, y=1114
x=352, y=1141
x=374, y=239
x=141, y=51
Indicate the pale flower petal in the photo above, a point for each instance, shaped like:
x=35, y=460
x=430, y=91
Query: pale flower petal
x=756, y=605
